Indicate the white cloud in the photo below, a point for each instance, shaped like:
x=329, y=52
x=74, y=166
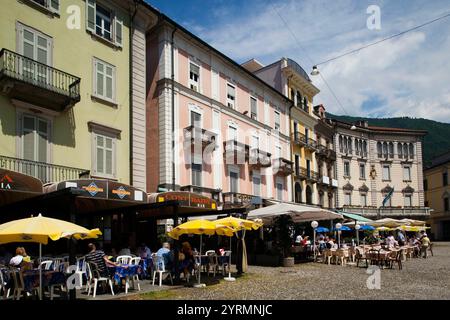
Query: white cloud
x=405, y=76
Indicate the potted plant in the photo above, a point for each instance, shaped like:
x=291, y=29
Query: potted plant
x=283, y=228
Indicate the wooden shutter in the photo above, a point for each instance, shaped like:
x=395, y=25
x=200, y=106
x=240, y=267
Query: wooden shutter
x=54, y=5
x=90, y=15
x=118, y=31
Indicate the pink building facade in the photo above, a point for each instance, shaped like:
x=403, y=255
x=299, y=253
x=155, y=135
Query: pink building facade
x=216, y=129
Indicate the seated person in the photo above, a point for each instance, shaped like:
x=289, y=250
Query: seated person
x=125, y=251
x=100, y=259
x=17, y=260
x=187, y=262
x=166, y=255
x=26, y=257
x=305, y=242
x=144, y=251
x=5, y=256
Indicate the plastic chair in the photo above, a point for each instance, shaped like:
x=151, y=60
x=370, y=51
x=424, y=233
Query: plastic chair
x=46, y=265
x=124, y=259
x=95, y=277
x=213, y=262
x=160, y=268
x=135, y=261
x=3, y=286
x=226, y=262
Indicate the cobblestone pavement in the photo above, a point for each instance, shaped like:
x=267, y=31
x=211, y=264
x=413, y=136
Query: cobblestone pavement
x=419, y=279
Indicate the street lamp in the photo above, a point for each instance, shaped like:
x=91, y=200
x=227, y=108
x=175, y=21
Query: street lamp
x=315, y=71
x=338, y=228
x=314, y=225
x=357, y=227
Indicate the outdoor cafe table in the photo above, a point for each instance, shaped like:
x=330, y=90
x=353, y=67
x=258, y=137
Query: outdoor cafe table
x=49, y=278
x=125, y=271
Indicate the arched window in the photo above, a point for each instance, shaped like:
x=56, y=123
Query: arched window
x=391, y=150
x=350, y=146
x=345, y=145
x=365, y=148
x=299, y=99
x=385, y=150
x=411, y=151
x=400, y=150
x=293, y=95
x=379, y=151
x=308, y=195
x=298, y=193
x=341, y=147
x=360, y=148
x=305, y=104
x=405, y=150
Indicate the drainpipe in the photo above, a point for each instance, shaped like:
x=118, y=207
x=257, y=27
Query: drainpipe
x=290, y=139
x=173, y=106
x=136, y=4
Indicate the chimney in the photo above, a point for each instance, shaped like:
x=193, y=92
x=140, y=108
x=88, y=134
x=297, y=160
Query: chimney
x=363, y=123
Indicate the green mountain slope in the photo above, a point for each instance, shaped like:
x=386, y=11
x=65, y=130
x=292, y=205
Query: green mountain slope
x=436, y=142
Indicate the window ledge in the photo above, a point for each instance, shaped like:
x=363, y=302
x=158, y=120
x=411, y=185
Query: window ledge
x=105, y=101
x=386, y=180
x=37, y=6
x=93, y=126
x=109, y=43
x=362, y=179
x=407, y=180
x=105, y=177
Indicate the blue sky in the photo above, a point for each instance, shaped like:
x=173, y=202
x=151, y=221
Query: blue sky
x=405, y=76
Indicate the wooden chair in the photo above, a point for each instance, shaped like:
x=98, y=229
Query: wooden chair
x=359, y=256
x=341, y=256
x=327, y=255
x=396, y=257
x=374, y=257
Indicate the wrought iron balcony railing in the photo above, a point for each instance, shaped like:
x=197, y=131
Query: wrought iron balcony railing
x=285, y=166
x=45, y=172
x=301, y=139
x=37, y=83
x=304, y=174
x=198, y=135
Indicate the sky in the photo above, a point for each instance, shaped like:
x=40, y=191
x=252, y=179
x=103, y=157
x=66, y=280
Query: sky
x=405, y=76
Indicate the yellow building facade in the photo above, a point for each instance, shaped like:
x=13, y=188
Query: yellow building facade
x=65, y=89
x=437, y=196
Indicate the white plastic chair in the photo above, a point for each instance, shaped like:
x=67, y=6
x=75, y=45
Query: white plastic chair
x=123, y=259
x=94, y=276
x=213, y=263
x=135, y=279
x=3, y=286
x=160, y=268
x=46, y=265
x=226, y=263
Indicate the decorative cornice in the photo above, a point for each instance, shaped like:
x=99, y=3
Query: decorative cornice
x=408, y=189
x=364, y=188
x=386, y=189
x=348, y=187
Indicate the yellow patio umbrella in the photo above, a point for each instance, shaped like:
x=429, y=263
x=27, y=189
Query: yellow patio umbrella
x=384, y=229
x=39, y=229
x=237, y=224
x=200, y=227
x=413, y=228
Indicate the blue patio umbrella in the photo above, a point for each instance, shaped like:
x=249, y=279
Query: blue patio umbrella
x=367, y=228
x=322, y=229
x=343, y=228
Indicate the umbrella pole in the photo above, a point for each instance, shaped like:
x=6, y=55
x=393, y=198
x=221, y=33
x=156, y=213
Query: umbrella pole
x=40, y=271
x=229, y=278
x=199, y=284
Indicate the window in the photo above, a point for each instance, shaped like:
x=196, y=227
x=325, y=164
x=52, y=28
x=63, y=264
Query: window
x=297, y=165
x=406, y=173
x=446, y=204
x=105, y=155
x=411, y=151
x=305, y=104
x=425, y=185
x=445, y=179
x=279, y=191
x=321, y=201
x=256, y=185
x=386, y=172
x=400, y=150
x=35, y=137
x=231, y=95
x=391, y=150
x=341, y=147
x=196, y=174
x=308, y=168
x=346, y=169
x=194, y=77
x=38, y=47
x=363, y=200
x=196, y=119
x=253, y=108
x=295, y=130
x=347, y=199
x=299, y=99
x=362, y=171
x=408, y=200
x=385, y=150
x=405, y=151
x=52, y=5
x=379, y=150
x=102, y=22
x=234, y=181
x=277, y=120
x=104, y=80
x=278, y=152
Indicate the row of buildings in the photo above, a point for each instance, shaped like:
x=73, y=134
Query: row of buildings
x=117, y=90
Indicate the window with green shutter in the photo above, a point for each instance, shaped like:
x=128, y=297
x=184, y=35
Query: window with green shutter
x=104, y=22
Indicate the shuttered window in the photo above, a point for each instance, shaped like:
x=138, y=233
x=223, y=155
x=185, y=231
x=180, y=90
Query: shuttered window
x=104, y=155
x=104, y=22
x=104, y=80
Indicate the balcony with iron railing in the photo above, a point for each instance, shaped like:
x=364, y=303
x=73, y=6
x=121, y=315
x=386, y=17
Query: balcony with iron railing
x=201, y=136
x=305, y=174
x=301, y=140
x=204, y=191
x=45, y=172
x=235, y=152
x=33, y=82
x=325, y=153
x=235, y=199
x=259, y=158
x=383, y=212
x=285, y=166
